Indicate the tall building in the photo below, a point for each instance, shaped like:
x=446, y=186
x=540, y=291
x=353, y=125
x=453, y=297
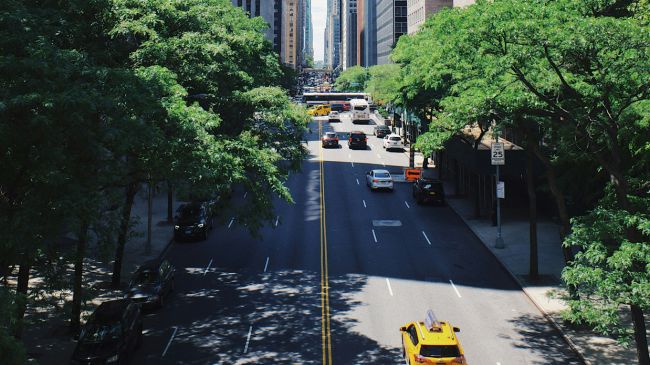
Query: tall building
x=309, y=35
x=391, y=24
x=370, y=32
x=292, y=33
x=333, y=34
x=348, y=33
x=419, y=11
x=361, y=33
x=287, y=27
x=269, y=11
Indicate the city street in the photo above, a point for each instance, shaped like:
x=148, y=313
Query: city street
x=335, y=275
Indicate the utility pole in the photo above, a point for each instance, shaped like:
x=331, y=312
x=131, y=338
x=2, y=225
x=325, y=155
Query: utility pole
x=498, y=158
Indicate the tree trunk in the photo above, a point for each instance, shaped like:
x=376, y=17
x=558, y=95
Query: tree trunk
x=170, y=203
x=425, y=163
x=75, y=315
x=21, y=293
x=131, y=190
x=640, y=335
x=533, y=270
x=565, y=222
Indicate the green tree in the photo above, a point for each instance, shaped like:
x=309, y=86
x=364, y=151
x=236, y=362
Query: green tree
x=352, y=79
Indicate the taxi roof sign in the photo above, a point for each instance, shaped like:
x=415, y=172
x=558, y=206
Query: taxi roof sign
x=431, y=322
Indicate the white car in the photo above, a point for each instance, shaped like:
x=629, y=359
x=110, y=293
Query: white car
x=393, y=141
x=379, y=179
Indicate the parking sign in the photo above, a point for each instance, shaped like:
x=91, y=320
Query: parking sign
x=498, y=154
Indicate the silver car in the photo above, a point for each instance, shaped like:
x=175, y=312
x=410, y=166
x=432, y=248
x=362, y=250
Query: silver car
x=379, y=179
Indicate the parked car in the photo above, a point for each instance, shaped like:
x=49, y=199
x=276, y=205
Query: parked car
x=330, y=139
x=334, y=117
x=379, y=179
x=393, y=141
x=358, y=139
x=193, y=220
x=112, y=333
x=428, y=190
x=381, y=131
x=151, y=283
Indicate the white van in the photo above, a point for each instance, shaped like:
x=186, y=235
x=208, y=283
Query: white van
x=360, y=111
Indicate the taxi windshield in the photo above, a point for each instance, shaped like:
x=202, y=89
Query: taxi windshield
x=439, y=351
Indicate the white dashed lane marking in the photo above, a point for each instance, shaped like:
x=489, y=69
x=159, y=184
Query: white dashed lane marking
x=426, y=238
x=454, y=286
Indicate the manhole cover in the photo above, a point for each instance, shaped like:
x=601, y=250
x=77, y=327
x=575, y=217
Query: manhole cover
x=386, y=223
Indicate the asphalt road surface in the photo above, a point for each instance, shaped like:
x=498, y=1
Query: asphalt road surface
x=335, y=275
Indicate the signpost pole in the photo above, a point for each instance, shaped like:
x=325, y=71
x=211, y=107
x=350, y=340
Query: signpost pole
x=499, y=241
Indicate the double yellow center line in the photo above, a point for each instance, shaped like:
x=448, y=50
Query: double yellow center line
x=324, y=281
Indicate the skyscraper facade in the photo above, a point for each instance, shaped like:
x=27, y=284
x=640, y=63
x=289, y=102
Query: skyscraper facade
x=309, y=33
x=392, y=23
x=267, y=9
x=333, y=34
x=292, y=33
x=348, y=33
x=370, y=32
x=419, y=11
x=361, y=33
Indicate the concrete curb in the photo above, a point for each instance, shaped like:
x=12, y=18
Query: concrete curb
x=548, y=318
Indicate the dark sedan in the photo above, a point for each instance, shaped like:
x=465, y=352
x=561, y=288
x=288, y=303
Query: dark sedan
x=193, y=220
x=428, y=190
x=382, y=131
x=151, y=283
x=111, y=334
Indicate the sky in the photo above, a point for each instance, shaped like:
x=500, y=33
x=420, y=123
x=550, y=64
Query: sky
x=318, y=18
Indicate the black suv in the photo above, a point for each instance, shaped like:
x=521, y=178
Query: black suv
x=112, y=332
x=358, y=140
x=151, y=283
x=193, y=220
x=381, y=131
x=428, y=190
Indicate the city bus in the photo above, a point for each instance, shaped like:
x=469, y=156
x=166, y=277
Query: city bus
x=328, y=98
x=360, y=111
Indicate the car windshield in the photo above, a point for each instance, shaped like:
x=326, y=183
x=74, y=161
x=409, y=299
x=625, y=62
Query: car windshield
x=330, y=135
x=360, y=108
x=101, y=332
x=189, y=211
x=431, y=185
x=358, y=135
x=382, y=174
x=146, y=277
x=395, y=138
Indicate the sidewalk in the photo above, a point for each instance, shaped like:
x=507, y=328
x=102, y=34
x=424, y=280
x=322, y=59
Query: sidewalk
x=47, y=339
x=514, y=257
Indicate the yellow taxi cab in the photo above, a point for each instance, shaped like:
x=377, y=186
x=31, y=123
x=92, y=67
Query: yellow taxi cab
x=319, y=110
x=431, y=342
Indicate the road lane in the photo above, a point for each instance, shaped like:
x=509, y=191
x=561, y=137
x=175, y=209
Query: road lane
x=245, y=300
x=430, y=260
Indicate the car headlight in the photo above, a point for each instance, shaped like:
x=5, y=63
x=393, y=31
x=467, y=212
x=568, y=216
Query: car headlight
x=114, y=358
x=201, y=225
x=177, y=227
